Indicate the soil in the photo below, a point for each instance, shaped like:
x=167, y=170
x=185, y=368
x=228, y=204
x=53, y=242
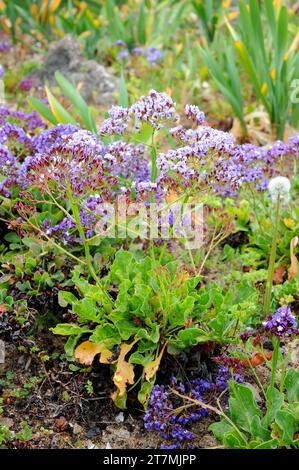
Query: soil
x=58, y=408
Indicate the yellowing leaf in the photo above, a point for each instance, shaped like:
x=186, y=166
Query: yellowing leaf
x=124, y=373
x=233, y=15
x=294, y=262
x=151, y=368
x=54, y=5
x=60, y=113
x=34, y=11
x=264, y=88
x=44, y=11
x=106, y=357
x=289, y=223
x=86, y=352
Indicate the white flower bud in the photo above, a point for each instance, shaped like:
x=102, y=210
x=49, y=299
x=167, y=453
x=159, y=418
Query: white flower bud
x=279, y=186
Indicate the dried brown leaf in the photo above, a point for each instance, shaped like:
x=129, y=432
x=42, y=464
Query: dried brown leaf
x=294, y=262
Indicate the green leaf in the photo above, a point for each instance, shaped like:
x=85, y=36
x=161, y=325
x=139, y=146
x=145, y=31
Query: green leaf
x=243, y=407
x=292, y=385
x=87, y=310
x=288, y=425
x=220, y=428
x=42, y=109
x=123, y=92
x=141, y=27
x=70, y=345
x=145, y=392
x=191, y=337
x=258, y=431
x=67, y=329
x=72, y=94
x=65, y=298
x=60, y=113
x=277, y=402
x=106, y=333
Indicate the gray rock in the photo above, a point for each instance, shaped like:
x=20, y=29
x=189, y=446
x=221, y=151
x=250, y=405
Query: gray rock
x=95, y=82
x=77, y=429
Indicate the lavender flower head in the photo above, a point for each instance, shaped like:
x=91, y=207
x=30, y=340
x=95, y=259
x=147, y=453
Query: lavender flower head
x=282, y=324
x=123, y=55
x=193, y=112
x=1, y=71
x=153, y=56
x=4, y=47
x=120, y=43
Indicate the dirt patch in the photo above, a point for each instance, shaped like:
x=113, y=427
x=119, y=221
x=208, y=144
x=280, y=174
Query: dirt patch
x=55, y=402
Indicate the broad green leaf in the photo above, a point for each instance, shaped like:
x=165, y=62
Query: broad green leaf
x=243, y=407
x=106, y=333
x=65, y=298
x=87, y=310
x=67, y=329
x=292, y=385
x=288, y=426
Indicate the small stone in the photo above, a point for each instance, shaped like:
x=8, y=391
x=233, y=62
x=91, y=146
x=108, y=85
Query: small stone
x=77, y=429
x=119, y=418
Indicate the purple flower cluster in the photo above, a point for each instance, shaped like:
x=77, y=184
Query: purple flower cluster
x=2, y=71
x=29, y=121
x=152, y=54
x=26, y=84
x=153, y=108
x=167, y=415
x=4, y=47
x=77, y=162
x=67, y=156
x=212, y=159
x=193, y=112
x=282, y=324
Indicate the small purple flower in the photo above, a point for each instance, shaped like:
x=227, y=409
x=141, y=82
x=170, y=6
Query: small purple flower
x=137, y=51
x=193, y=112
x=4, y=47
x=26, y=84
x=120, y=43
x=2, y=70
x=123, y=55
x=172, y=422
x=153, y=55
x=282, y=323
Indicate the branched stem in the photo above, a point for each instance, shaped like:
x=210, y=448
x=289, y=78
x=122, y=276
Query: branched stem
x=271, y=267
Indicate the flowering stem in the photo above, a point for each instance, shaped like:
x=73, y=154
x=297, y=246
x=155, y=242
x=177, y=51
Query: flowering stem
x=270, y=391
x=81, y=231
x=269, y=283
x=219, y=411
x=283, y=371
x=154, y=165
